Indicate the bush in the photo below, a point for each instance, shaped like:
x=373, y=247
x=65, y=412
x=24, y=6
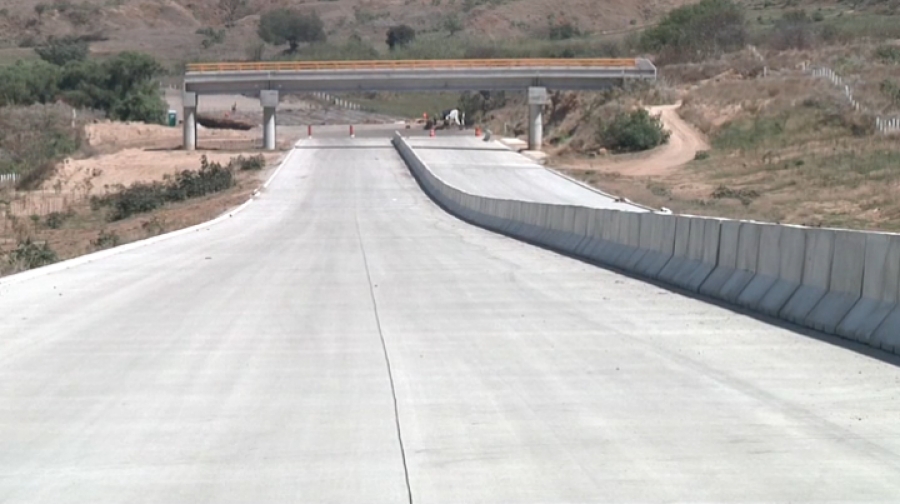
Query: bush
x=286, y=26
x=142, y=197
x=401, y=35
x=211, y=37
x=28, y=255
x=890, y=90
x=63, y=50
x=888, y=54
x=701, y=155
x=564, y=31
x=106, y=239
x=697, y=31
x=252, y=163
x=745, y=196
x=55, y=220
x=453, y=24
x=632, y=132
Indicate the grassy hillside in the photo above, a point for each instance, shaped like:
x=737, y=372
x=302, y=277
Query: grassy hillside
x=167, y=28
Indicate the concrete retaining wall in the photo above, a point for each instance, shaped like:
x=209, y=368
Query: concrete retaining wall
x=835, y=281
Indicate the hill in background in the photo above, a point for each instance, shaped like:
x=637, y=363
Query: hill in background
x=168, y=29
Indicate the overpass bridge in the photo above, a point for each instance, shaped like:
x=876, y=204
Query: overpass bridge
x=270, y=79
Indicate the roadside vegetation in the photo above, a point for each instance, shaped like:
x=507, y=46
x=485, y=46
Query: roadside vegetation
x=122, y=214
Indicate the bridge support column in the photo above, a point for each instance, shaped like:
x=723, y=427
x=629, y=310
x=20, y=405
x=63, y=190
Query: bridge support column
x=189, y=120
x=537, y=98
x=269, y=101
x=535, y=127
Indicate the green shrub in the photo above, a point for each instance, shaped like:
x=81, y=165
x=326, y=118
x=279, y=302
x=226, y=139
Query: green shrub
x=890, y=90
x=632, y=132
x=701, y=155
x=888, y=53
x=287, y=26
x=28, y=255
x=564, y=31
x=401, y=35
x=63, y=50
x=211, y=37
x=745, y=196
x=252, y=163
x=106, y=239
x=453, y=24
x=55, y=220
x=142, y=197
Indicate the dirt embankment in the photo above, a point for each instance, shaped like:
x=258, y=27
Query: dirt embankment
x=60, y=213
x=782, y=147
x=684, y=143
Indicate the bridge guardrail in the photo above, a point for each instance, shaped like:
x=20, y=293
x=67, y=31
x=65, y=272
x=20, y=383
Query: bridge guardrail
x=275, y=66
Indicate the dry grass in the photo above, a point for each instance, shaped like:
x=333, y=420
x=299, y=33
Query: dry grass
x=82, y=226
x=166, y=28
x=785, y=150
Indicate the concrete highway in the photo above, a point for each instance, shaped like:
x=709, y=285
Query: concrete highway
x=344, y=340
x=490, y=169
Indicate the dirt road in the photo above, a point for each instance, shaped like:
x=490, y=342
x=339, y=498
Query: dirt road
x=681, y=148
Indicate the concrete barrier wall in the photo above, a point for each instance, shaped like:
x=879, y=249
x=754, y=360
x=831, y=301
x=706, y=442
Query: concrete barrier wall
x=880, y=290
x=836, y=281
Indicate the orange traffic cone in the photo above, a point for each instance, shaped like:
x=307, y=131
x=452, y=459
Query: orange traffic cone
x=431, y=132
x=477, y=131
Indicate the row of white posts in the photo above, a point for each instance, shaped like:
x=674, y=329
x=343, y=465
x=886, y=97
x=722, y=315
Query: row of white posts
x=8, y=178
x=838, y=81
x=338, y=102
x=882, y=124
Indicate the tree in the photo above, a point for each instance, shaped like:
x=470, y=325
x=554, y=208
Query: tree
x=62, y=50
x=400, y=35
x=28, y=82
x=286, y=26
x=453, y=24
x=124, y=87
x=232, y=10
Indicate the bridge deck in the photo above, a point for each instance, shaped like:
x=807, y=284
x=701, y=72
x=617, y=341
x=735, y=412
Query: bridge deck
x=297, y=66
x=414, y=75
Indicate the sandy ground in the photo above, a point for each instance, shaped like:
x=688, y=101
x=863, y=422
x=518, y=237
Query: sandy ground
x=681, y=148
x=97, y=175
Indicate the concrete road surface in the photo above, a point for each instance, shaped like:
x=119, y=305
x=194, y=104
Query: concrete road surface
x=491, y=169
x=343, y=340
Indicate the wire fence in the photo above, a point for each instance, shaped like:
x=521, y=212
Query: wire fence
x=883, y=125
x=8, y=179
